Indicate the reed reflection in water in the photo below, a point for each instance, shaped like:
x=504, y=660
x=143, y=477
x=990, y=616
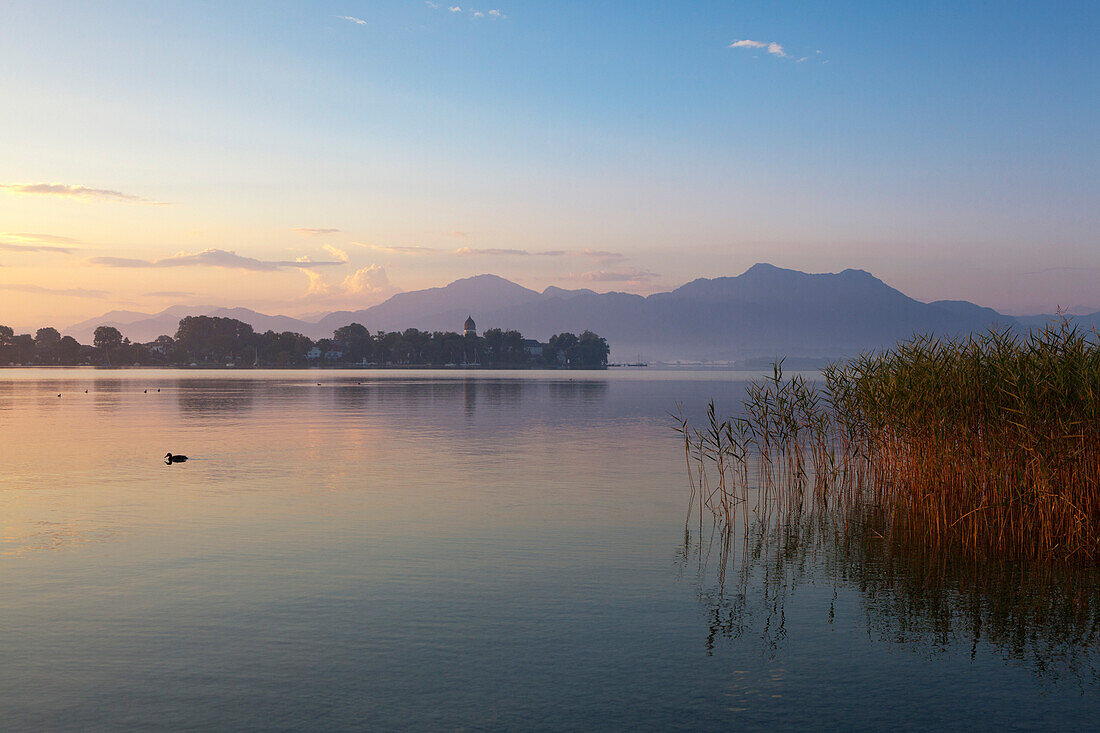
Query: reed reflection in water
x=1044, y=616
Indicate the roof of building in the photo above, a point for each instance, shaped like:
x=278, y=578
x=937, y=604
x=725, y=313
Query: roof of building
x=470, y=325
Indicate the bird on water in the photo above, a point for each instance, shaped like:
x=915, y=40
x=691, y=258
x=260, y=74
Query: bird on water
x=169, y=458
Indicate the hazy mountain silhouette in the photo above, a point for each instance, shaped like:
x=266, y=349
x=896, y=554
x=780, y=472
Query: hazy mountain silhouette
x=143, y=327
x=1088, y=321
x=763, y=312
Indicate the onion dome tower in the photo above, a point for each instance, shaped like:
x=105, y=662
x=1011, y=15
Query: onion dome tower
x=469, y=328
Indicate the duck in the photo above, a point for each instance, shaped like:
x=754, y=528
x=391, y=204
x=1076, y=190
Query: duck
x=169, y=458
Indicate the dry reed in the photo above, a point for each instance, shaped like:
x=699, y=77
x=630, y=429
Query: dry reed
x=988, y=445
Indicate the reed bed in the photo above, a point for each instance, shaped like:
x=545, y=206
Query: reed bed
x=985, y=446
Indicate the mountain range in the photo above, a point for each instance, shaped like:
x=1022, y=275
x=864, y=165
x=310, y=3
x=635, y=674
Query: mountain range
x=763, y=312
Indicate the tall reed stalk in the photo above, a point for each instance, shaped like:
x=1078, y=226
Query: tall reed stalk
x=988, y=444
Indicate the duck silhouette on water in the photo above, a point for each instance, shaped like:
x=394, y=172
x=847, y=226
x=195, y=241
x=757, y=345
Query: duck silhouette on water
x=170, y=459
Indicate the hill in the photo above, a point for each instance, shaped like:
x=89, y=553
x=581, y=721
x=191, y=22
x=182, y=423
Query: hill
x=763, y=312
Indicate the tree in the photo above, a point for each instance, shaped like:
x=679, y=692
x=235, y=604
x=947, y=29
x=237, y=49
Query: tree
x=212, y=338
x=22, y=348
x=107, y=338
x=356, y=341
x=592, y=350
x=44, y=338
x=68, y=350
x=588, y=351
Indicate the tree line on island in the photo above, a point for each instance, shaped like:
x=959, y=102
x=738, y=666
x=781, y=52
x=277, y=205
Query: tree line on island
x=216, y=341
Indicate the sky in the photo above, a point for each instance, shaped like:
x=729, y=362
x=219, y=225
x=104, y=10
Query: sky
x=303, y=157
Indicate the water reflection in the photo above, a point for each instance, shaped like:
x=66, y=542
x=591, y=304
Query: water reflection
x=1045, y=617
x=207, y=398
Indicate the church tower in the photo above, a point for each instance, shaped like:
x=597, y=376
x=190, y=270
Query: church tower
x=470, y=328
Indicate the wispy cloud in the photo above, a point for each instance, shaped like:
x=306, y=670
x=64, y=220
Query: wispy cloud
x=26, y=238
x=585, y=253
x=772, y=47
x=600, y=255
x=78, y=192
x=339, y=254
x=352, y=19
x=214, y=258
x=8, y=247
x=169, y=294
x=605, y=276
x=399, y=250
x=25, y=242
x=495, y=13
x=310, y=232
x=70, y=292
x=470, y=251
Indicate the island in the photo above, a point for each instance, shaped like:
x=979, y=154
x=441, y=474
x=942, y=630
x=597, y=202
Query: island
x=228, y=342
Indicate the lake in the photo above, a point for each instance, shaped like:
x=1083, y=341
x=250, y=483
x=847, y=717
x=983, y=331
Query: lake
x=466, y=550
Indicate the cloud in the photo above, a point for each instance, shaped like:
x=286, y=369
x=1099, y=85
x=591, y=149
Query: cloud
x=398, y=250
x=770, y=46
x=468, y=251
x=315, y=232
x=169, y=294
x=599, y=255
x=365, y=285
x=317, y=284
x=25, y=242
x=495, y=13
x=34, y=248
x=491, y=252
x=366, y=280
x=79, y=192
x=212, y=258
x=457, y=233
x=349, y=18
x=38, y=238
x=604, y=276
x=339, y=254
x=71, y=292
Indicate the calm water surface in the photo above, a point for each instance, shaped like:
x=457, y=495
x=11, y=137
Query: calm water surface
x=462, y=550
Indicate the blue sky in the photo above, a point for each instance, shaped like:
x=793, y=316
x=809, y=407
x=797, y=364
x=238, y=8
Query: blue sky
x=950, y=148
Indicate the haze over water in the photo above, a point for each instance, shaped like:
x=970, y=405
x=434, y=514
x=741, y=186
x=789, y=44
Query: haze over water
x=443, y=549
